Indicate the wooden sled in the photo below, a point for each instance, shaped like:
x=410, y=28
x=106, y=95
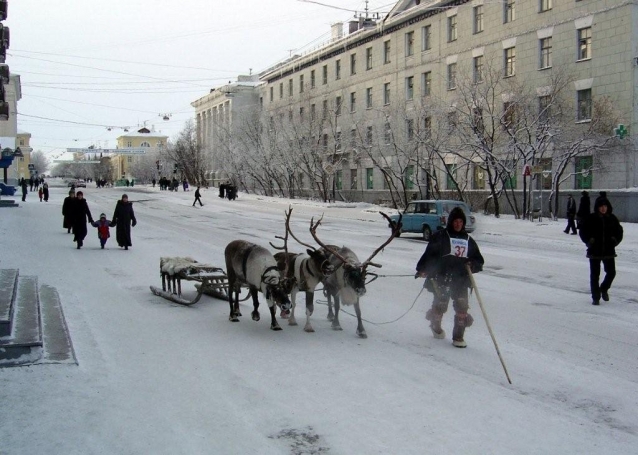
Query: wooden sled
x=210, y=280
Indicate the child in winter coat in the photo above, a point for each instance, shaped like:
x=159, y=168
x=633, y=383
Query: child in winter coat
x=40, y=193
x=102, y=226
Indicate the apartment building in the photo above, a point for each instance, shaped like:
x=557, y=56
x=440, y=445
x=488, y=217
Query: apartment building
x=418, y=50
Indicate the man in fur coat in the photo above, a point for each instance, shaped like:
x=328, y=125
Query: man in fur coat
x=444, y=265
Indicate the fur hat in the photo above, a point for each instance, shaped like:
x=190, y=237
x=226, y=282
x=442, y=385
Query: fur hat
x=102, y=215
x=585, y=193
x=79, y=193
x=456, y=213
x=602, y=200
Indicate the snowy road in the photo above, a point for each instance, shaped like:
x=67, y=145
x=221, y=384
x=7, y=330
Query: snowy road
x=157, y=378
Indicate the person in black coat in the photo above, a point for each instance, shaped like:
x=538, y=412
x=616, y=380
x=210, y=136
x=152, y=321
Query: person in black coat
x=23, y=184
x=67, y=211
x=601, y=232
x=123, y=219
x=584, y=208
x=198, y=198
x=571, y=214
x=444, y=264
x=80, y=213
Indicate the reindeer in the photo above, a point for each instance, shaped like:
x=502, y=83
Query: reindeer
x=348, y=282
x=254, y=266
x=304, y=272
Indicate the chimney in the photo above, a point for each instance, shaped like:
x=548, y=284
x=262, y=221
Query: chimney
x=353, y=26
x=337, y=31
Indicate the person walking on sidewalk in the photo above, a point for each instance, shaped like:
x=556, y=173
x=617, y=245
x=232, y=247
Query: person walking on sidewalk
x=443, y=264
x=123, y=219
x=571, y=215
x=23, y=184
x=584, y=208
x=103, y=232
x=197, y=198
x=80, y=214
x=602, y=233
x=67, y=211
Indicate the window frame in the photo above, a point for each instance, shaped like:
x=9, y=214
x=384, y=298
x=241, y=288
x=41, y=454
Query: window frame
x=387, y=49
x=509, y=11
x=368, y=58
x=545, y=53
x=509, y=62
x=426, y=38
x=451, y=76
x=452, y=28
x=369, y=98
x=477, y=69
x=584, y=43
x=409, y=44
x=409, y=88
x=426, y=83
x=585, y=103
x=386, y=93
x=478, y=15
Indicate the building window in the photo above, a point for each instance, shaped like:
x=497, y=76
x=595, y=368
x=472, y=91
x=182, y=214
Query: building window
x=290, y=115
x=313, y=79
x=510, y=61
x=450, y=176
x=353, y=179
x=369, y=58
x=584, y=171
x=353, y=138
x=478, y=182
x=369, y=178
x=509, y=11
x=338, y=141
x=281, y=90
x=369, y=98
x=313, y=112
x=290, y=89
x=301, y=114
x=386, y=93
x=324, y=143
x=509, y=114
x=451, y=76
x=369, y=136
x=338, y=69
x=324, y=109
x=129, y=144
x=546, y=53
x=584, y=105
x=409, y=44
x=386, y=51
x=545, y=5
x=338, y=105
x=301, y=87
x=409, y=88
x=426, y=38
x=478, y=19
x=584, y=43
x=478, y=69
x=324, y=78
x=409, y=177
x=353, y=64
x=451, y=29
x=387, y=133
x=339, y=179
x=452, y=121
x=427, y=126
x=353, y=101
x=272, y=93
x=544, y=108
x=426, y=83
x=409, y=129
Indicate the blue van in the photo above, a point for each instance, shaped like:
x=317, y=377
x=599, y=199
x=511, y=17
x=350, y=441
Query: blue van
x=429, y=216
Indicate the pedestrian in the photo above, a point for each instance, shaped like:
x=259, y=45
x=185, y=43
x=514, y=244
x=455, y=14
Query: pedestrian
x=40, y=193
x=31, y=183
x=80, y=214
x=103, y=232
x=23, y=184
x=185, y=185
x=584, y=208
x=45, y=191
x=601, y=232
x=197, y=198
x=571, y=214
x=443, y=264
x=67, y=211
x=153, y=182
x=123, y=219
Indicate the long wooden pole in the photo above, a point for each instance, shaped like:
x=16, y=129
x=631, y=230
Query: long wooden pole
x=489, y=327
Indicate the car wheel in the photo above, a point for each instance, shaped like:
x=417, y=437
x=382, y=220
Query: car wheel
x=427, y=232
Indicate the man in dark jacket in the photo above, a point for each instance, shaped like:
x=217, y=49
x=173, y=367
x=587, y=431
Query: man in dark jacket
x=601, y=232
x=444, y=264
x=67, y=211
x=123, y=218
x=584, y=208
x=23, y=184
x=197, y=197
x=571, y=214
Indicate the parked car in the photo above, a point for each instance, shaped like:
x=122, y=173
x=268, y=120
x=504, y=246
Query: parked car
x=77, y=184
x=429, y=216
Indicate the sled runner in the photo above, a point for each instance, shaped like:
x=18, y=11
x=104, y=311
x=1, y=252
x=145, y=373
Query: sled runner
x=211, y=280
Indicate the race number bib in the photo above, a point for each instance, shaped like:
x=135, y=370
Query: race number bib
x=458, y=247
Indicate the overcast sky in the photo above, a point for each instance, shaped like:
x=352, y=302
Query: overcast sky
x=86, y=66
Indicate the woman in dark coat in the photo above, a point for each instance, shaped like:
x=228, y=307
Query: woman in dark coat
x=80, y=212
x=601, y=232
x=584, y=208
x=67, y=210
x=123, y=219
x=444, y=264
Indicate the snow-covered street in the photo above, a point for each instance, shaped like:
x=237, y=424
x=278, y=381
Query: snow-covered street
x=154, y=377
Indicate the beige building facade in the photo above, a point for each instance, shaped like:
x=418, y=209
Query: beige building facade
x=142, y=138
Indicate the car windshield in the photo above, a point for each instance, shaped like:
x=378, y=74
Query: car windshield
x=450, y=205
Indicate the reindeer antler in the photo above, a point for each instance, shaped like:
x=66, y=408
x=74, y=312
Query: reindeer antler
x=289, y=231
x=396, y=228
x=313, y=231
x=285, y=247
